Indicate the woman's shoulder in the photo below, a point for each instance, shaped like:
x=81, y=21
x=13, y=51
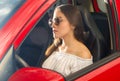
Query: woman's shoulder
x=83, y=52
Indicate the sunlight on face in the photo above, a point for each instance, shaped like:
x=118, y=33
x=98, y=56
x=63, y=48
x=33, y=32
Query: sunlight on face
x=64, y=28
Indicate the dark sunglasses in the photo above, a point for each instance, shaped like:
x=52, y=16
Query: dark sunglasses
x=56, y=21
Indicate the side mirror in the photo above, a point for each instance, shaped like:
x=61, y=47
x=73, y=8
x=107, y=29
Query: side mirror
x=36, y=74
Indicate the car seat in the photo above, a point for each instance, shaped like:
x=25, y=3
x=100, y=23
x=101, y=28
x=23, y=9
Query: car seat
x=95, y=40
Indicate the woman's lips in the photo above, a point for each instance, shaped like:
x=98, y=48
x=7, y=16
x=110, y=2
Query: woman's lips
x=54, y=31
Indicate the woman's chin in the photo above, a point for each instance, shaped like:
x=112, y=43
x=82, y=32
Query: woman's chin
x=55, y=36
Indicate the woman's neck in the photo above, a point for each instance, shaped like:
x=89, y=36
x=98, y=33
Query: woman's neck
x=69, y=41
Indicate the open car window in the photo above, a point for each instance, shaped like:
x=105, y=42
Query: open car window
x=36, y=42
x=33, y=48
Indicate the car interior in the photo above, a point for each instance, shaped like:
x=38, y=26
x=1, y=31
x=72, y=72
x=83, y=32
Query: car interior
x=31, y=52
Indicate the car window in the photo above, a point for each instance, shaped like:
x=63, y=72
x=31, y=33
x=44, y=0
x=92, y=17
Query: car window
x=7, y=9
x=40, y=37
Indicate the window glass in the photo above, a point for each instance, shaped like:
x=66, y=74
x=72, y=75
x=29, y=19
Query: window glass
x=7, y=9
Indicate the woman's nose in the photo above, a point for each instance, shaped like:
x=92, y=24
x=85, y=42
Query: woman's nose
x=53, y=25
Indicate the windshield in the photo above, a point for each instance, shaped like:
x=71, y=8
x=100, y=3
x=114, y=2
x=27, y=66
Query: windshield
x=7, y=9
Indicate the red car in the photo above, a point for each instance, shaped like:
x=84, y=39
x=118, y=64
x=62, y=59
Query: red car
x=25, y=35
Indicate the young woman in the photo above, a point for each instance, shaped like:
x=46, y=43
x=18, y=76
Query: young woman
x=68, y=53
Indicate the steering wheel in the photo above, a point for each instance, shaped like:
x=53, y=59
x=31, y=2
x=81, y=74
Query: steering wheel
x=20, y=62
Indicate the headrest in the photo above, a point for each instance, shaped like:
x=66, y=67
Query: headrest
x=89, y=23
x=94, y=39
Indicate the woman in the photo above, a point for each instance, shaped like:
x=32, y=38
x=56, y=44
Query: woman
x=68, y=53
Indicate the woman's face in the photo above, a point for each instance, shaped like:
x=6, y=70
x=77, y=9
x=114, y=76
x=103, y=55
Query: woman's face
x=60, y=26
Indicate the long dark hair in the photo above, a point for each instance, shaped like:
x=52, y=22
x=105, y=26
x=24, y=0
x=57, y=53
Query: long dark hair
x=73, y=15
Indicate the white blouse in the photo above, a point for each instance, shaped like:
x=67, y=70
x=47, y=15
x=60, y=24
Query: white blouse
x=65, y=63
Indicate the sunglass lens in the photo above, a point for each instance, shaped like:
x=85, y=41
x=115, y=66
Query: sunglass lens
x=57, y=21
